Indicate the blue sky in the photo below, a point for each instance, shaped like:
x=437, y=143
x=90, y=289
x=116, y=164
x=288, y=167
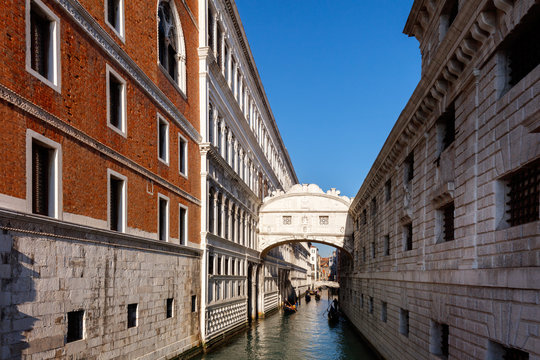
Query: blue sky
x=337, y=75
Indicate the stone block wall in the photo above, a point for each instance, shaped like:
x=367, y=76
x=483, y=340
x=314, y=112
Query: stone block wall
x=51, y=269
x=483, y=286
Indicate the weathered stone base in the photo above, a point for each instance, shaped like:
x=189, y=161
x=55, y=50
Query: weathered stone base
x=49, y=268
x=477, y=316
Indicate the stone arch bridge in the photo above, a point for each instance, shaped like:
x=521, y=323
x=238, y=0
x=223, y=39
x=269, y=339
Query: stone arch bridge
x=305, y=213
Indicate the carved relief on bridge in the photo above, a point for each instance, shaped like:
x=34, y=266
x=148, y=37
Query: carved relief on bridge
x=305, y=213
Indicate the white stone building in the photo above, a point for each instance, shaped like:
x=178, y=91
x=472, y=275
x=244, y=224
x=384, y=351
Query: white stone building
x=243, y=159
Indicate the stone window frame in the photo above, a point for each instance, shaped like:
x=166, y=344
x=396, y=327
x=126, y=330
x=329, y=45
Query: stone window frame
x=122, y=130
x=161, y=120
x=80, y=318
x=183, y=146
x=55, y=191
x=440, y=220
x=167, y=237
x=54, y=75
x=181, y=82
x=439, y=339
x=185, y=231
x=120, y=30
x=123, y=224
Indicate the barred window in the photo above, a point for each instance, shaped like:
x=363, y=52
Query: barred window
x=523, y=195
x=323, y=220
x=287, y=220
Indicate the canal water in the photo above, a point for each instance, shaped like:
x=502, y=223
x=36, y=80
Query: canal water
x=302, y=335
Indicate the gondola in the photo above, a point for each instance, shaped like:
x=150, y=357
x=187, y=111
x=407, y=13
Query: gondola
x=333, y=315
x=308, y=297
x=317, y=296
x=289, y=309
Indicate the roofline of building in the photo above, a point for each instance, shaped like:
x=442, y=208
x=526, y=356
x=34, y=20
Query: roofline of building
x=240, y=32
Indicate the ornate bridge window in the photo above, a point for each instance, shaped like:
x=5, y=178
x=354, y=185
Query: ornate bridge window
x=172, y=53
x=287, y=220
x=323, y=220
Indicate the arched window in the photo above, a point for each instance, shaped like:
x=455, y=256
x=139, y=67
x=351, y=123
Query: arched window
x=211, y=206
x=172, y=50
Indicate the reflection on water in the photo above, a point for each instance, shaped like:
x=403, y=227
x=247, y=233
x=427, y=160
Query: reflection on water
x=303, y=335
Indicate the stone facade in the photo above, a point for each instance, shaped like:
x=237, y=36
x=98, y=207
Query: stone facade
x=446, y=260
x=243, y=160
x=99, y=180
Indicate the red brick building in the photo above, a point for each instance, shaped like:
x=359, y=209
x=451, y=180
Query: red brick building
x=100, y=170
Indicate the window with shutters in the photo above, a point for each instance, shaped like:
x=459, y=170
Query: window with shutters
x=116, y=101
x=183, y=225
x=44, y=176
x=114, y=16
x=43, y=43
x=117, y=201
x=163, y=218
x=172, y=52
x=182, y=155
x=163, y=140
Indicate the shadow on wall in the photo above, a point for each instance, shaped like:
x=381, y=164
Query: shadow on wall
x=17, y=287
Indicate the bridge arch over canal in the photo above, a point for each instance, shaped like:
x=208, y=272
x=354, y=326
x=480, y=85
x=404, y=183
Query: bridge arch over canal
x=305, y=213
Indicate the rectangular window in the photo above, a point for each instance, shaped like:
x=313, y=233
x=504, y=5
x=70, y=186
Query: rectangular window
x=182, y=155
x=362, y=300
x=75, y=325
x=182, y=222
x=131, y=315
x=211, y=30
x=384, y=316
x=446, y=130
x=226, y=272
x=163, y=218
x=210, y=264
x=386, y=244
x=163, y=140
x=499, y=351
x=42, y=43
x=219, y=265
x=388, y=190
x=447, y=218
x=373, y=250
x=404, y=322
x=114, y=13
x=409, y=169
x=371, y=304
x=448, y=15
x=364, y=217
x=373, y=207
x=363, y=254
x=523, y=192
x=42, y=179
x=193, y=303
x=521, y=58
x=116, y=101
x=323, y=220
x=169, y=308
x=117, y=202
x=407, y=237
x=287, y=220
x=439, y=339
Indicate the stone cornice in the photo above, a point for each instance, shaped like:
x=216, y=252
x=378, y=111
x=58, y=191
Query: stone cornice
x=81, y=17
x=242, y=38
x=452, y=62
x=63, y=231
x=28, y=107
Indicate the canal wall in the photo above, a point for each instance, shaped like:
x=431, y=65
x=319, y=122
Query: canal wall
x=61, y=281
